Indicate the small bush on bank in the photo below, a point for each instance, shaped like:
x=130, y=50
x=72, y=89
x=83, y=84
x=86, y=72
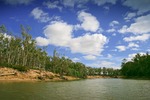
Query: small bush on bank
x=20, y=68
x=17, y=67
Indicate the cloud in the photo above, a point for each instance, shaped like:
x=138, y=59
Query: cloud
x=131, y=56
x=53, y=5
x=111, y=30
x=40, y=15
x=142, y=37
x=59, y=33
x=113, y=23
x=123, y=29
x=131, y=44
x=113, y=26
x=109, y=55
x=88, y=21
x=140, y=26
x=17, y=2
x=148, y=50
x=129, y=16
x=141, y=6
x=41, y=41
x=135, y=49
x=89, y=57
x=104, y=63
x=106, y=7
x=107, y=64
x=72, y=3
x=69, y=3
x=75, y=59
x=102, y=2
x=82, y=3
x=121, y=48
x=88, y=44
x=114, y=34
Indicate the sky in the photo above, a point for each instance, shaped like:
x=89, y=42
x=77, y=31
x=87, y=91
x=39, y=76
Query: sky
x=98, y=33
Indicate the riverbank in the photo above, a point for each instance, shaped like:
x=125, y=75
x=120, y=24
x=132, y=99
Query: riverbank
x=10, y=74
x=32, y=75
x=136, y=77
x=101, y=76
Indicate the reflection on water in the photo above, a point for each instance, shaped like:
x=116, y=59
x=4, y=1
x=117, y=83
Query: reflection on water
x=94, y=89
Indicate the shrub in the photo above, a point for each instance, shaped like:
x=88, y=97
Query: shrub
x=20, y=68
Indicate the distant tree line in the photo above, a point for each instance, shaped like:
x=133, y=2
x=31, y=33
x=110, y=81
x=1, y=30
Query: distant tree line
x=103, y=71
x=139, y=66
x=21, y=53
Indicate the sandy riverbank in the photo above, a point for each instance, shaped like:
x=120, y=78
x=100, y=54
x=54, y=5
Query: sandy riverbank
x=98, y=76
x=31, y=75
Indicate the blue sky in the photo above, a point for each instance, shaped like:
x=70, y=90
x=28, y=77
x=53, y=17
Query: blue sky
x=98, y=33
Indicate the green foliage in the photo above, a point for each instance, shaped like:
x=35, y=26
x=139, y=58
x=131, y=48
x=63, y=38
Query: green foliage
x=103, y=71
x=21, y=68
x=65, y=66
x=20, y=51
x=139, y=66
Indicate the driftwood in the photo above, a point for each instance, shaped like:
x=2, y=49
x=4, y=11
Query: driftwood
x=7, y=74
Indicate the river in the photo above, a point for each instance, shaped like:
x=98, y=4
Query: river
x=89, y=89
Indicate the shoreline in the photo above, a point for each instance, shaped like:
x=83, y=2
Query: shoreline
x=103, y=77
x=9, y=74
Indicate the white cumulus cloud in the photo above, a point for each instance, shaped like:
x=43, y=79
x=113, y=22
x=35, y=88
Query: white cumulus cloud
x=113, y=23
x=104, y=63
x=142, y=37
x=121, y=48
x=40, y=15
x=88, y=44
x=59, y=33
x=102, y=2
x=140, y=26
x=89, y=57
x=88, y=21
x=111, y=30
x=131, y=56
x=42, y=41
x=53, y=5
x=123, y=29
x=141, y=5
x=131, y=44
x=130, y=15
x=69, y=3
x=75, y=59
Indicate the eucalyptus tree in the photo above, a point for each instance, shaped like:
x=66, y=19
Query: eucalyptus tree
x=139, y=66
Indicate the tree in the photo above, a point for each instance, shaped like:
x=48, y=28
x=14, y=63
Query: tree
x=139, y=66
x=20, y=51
x=104, y=71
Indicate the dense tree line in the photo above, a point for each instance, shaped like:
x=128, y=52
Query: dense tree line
x=22, y=53
x=139, y=66
x=65, y=66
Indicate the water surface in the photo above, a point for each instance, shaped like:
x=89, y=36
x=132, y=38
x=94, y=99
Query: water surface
x=90, y=89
